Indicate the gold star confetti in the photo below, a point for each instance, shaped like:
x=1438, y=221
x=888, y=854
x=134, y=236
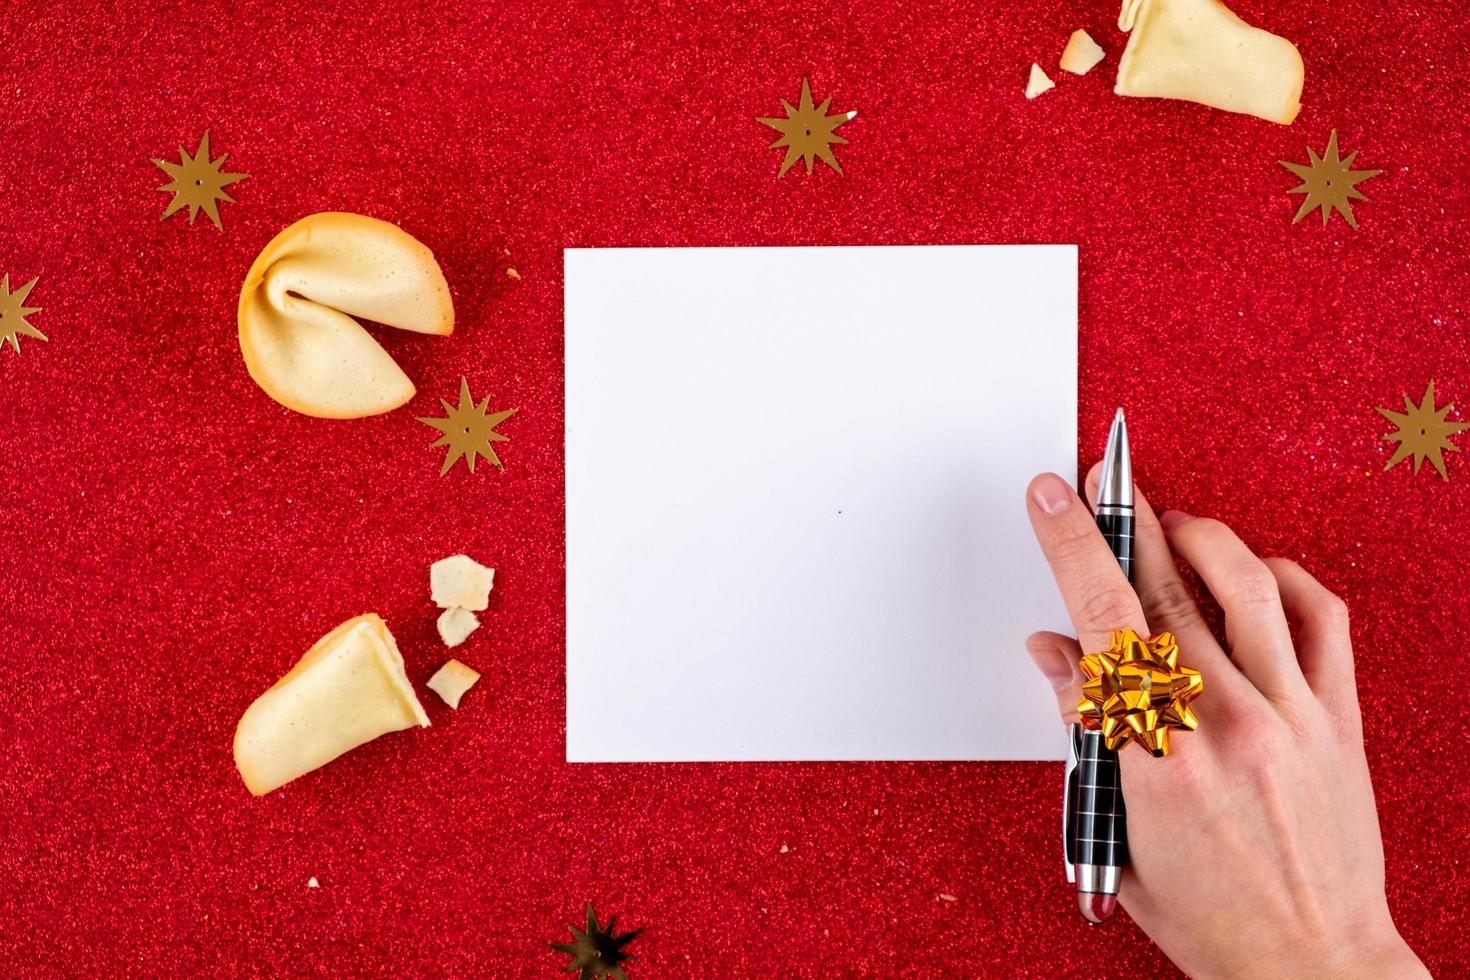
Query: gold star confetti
x=807, y=131
x=597, y=952
x=468, y=431
x=13, y=313
x=198, y=183
x=1330, y=183
x=1422, y=432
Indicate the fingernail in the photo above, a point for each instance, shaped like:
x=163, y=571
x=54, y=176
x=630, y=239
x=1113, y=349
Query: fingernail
x=1171, y=519
x=1054, y=663
x=1051, y=494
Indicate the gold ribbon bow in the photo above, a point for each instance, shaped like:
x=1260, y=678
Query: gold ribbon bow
x=1136, y=689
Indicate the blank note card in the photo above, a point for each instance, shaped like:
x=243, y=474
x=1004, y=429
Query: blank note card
x=795, y=500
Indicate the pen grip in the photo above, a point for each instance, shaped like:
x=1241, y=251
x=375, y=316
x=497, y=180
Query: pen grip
x=1098, y=817
x=1116, y=525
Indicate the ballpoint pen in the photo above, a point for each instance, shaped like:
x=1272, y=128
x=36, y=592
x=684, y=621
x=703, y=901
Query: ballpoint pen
x=1094, y=820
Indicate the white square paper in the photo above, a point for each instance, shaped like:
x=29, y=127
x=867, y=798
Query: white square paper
x=795, y=500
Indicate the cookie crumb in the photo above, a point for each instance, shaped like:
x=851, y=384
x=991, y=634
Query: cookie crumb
x=451, y=681
x=1038, y=82
x=1082, y=53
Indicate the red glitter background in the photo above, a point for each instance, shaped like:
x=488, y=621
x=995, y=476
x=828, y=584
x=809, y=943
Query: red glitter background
x=171, y=540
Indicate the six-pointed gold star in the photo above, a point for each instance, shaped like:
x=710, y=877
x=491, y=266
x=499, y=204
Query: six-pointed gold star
x=1423, y=432
x=467, y=430
x=13, y=313
x=198, y=183
x=807, y=131
x=1329, y=182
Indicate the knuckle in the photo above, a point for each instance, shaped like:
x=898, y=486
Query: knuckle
x=1067, y=703
x=1263, y=752
x=1303, y=723
x=1266, y=739
x=1332, y=611
x=1278, y=564
x=1073, y=540
x=1244, y=725
x=1182, y=773
x=1106, y=607
x=1170, y=605
x=1256, y=717
x=1347, y=724
x=1205, y=529
x=1252, y=586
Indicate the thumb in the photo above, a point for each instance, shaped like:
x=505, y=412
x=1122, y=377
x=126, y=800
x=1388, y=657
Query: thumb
x=1057, y=657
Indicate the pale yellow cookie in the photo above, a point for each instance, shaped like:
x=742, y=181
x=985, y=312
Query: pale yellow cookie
x=455, y=625
x=348, y=689
x=1081, y=54
x=1038, y=82
x=451, y=681
x=460, y=581
x=297, y=332
x=1198, y=51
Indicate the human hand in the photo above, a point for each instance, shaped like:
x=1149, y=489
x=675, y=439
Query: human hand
x=1254, y=844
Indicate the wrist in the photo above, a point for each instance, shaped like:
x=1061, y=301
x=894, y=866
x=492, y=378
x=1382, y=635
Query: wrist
x=1362, y=953
x=1379, y=954
x=1394, y=960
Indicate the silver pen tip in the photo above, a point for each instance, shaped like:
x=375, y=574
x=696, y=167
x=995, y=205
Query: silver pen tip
x=1115, y=482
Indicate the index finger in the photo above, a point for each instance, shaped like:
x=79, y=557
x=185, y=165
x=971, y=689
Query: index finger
x=1097, y=594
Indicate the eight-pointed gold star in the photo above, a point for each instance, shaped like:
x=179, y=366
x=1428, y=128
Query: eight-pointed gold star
x=1330, y=183
x=1423, y=432
x=807, y=131
x=598, y=950
x=467, y=430
x=13, y=313
x=198, y=183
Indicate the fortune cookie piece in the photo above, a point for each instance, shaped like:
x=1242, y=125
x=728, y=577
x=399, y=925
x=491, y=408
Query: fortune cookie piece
x=1082, y=53
x=461, y=581
x=1199, y=51
x=298, y=334
x=1038, y=82
x=451, y=681
x=456, y=624
x=348, y=689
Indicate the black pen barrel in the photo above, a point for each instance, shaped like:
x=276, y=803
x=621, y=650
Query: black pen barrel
x=1100, y=819
x=1115, y=521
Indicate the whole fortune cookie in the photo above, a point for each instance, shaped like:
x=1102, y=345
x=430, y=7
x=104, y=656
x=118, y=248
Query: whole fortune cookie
x=303, y=297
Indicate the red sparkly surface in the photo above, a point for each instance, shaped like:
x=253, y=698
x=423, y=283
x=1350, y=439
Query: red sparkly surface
x=171, y=540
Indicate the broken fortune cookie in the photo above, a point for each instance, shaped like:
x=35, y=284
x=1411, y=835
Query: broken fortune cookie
x=1199, y=51
x=460, y=581
x=298, y=332
x=455, y=625
x=1038, y=83
x=452, y=680
x=1081, y=54
x=348, y=689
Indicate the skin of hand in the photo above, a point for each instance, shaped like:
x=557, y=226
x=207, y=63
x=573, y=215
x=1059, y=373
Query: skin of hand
x=1255, y=849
